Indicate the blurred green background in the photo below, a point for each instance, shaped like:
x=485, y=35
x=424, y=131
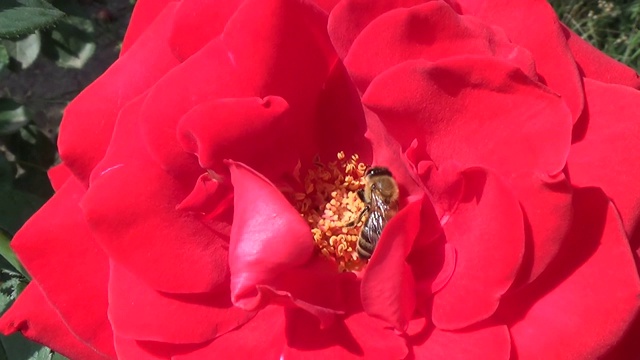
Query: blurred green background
x=47, y=62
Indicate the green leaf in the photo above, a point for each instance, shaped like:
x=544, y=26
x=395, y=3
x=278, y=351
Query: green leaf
x=3, y=354
x=13, y=116
x=56, y=356
x=16, y=207
x=7, y=295
x=10, y=290
x=22, y=17
x=7, y=174
x=19, y=348
x=16, y=347
x=7, y=252
x=23, y=52
x=4, y=61
x=71, y=43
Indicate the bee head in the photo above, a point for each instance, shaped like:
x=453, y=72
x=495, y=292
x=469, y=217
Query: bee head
x=377, y=171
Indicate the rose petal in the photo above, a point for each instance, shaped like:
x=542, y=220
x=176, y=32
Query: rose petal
x=547, y=208
x=271, y=248
x=144, y=14
x=350, y=17
x=459, y=107
x=627, y=348
x=269, y=336
x=261, y=338
x=592, y=285
x=142, y=313
x=58, y=175
x=388, y=152
x=340, y=121
x=596, y=65
x=358, y=336
x=131, y=349
x=487, y=232
x=388, y=287
x=268, y=48
x=145, y=206
x=38, y=321
x=89, y=119
x=611, y=139
x=198, y=22
x=432, y=31
x=222, y=128
x=547, y=44
x=210, y=197
x=85, y=274
x=491, y=343
x=432, y=264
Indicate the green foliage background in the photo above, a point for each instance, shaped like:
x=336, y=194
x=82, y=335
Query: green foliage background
x=612, y=26
x=42, y=40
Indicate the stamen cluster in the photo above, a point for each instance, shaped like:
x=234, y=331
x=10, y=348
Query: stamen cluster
x=329, y=202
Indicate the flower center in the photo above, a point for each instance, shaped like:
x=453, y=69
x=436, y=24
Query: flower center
x=329, y=202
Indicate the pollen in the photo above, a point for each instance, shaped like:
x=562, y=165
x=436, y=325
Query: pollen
x=329, y=202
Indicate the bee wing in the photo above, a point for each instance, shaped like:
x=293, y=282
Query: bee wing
x=377, y=218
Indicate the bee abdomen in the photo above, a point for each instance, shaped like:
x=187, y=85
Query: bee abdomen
x=365, y=245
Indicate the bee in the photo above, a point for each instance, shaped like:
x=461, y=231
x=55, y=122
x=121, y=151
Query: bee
x=380, y=196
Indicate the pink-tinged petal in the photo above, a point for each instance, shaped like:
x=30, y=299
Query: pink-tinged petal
x=38, y=321
x=198, y=22
x=432, y=31
x=611, y=139
x=350, y=17
x=144, y=14
x=89, y=119
x=57, y=234
x=490, y=343
x=592, y=285
x=207, y=131
x=458, y=105
x=487, y=231
x=262, y=338
x=596, y=65
x=268, y=48
x=547, y=44
x=58, y=175
x=547, y=208
x=271, y=251
x=210, y=197
x=267, y=235
x=388, y=287
x=141, y=227
x=140, y=312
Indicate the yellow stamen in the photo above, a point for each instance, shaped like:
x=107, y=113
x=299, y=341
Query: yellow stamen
x=329, y=202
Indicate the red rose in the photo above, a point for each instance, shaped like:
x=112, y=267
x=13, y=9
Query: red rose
x=201, y=210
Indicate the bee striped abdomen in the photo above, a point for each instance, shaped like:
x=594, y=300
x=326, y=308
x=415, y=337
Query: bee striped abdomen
x=380, y=196
x=370, y=234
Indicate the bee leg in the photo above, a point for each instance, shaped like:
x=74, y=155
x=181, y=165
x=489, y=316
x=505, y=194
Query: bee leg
x=355, y=221
x=361, y=195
